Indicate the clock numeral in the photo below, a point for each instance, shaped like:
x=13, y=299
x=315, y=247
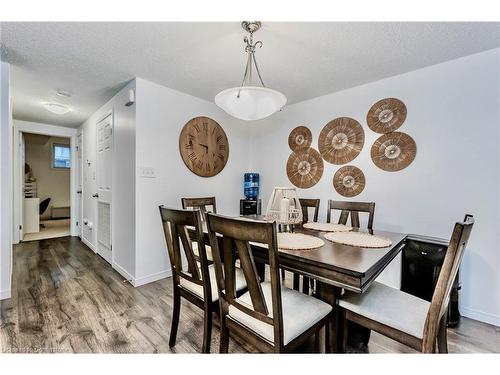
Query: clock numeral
x=222, y=147
x=215, y=165
x=199, y=164
x=219, y=137
x=192, y=156
x=197, y=127
x=213, y=130
x=205, y=127
x=189, y=145
x=207, y=167
x=221, y=157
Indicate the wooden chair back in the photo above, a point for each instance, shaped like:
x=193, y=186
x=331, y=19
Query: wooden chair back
x=175, y=223
x=200, y=204
x=351, y=209
x=237, y=235
x=449, y=269
x=306, y=204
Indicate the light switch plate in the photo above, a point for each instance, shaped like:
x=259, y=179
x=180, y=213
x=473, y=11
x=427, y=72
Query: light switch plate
x=147, y=172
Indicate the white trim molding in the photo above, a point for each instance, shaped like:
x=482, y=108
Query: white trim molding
x=122, y=271
x=480, y=316
x=5, y=294
x=138, y=281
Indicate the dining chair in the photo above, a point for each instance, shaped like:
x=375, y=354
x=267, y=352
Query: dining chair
x=202, y=204
x=305, y=204
x=196, y=280
x=269, y=316
x=351, y=209
x=403, y=317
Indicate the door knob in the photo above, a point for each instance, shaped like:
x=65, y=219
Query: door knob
x=95, y=195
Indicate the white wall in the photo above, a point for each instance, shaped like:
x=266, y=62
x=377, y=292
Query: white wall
x=453, y=115
x=52, y=183
x=123, y=184
x=5, y=182
x=161, y=114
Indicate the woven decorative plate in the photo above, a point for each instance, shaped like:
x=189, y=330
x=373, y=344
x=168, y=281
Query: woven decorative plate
x=304, y=168
x=349, y=181
x=341, y=140
x=358, y=239
x=393, y=151
x=386, y=115
x=298, y=241
x=300, y=137
x=327, y=227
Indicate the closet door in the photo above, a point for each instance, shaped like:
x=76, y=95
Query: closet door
x=104, y=183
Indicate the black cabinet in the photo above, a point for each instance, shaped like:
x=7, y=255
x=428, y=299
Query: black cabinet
x=250, y=207
x=422, y=258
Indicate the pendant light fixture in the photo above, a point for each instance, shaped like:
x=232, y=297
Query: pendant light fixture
x=250, y=101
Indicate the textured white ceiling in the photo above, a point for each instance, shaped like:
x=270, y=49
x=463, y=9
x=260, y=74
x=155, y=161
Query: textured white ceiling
x=303, y=60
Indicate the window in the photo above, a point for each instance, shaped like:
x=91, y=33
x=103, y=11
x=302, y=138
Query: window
x=61, y=156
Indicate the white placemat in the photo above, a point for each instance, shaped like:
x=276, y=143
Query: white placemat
x=295, y=241
x=358, y=239
x=327, y=227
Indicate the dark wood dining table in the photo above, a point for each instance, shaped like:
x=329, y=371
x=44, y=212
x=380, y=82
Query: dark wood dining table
x=335, y=267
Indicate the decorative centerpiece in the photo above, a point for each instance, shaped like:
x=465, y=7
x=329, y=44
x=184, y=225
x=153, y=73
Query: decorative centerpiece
x=284, y=208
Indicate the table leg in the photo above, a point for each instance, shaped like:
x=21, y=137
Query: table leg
x=334, y=327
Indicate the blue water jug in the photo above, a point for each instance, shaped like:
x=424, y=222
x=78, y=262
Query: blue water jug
x=251, y=185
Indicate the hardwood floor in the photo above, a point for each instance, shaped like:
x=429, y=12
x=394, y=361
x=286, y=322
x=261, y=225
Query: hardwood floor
x=67, y=299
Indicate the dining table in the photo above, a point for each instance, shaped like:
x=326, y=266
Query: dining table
x=335, y=267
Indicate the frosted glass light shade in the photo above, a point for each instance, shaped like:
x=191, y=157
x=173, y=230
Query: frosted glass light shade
x=253, y=103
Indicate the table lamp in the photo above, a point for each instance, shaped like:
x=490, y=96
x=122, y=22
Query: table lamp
x=284, y=208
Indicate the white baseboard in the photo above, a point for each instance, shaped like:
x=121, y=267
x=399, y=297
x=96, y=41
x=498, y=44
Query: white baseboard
x=151, y=278
x=481, y=316
x=5, y=294
x=122, y=271
x=88, y=244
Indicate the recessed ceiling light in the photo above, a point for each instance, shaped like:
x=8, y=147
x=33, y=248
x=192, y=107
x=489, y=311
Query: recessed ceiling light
x=63, y=93
x=58, y=109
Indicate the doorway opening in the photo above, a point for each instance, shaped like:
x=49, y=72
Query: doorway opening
x=46, y=186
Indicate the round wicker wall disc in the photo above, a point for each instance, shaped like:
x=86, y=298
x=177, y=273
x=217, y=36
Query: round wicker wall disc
x=358, y=239
x=300, y=137
x=327, y=227
x=349, y=181
x=298, y=241
x=394, y=151
x=304, y=168
x=341, y=140
x=386, y=115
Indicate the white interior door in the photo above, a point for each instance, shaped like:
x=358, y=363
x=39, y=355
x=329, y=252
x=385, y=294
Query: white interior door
x=104, y=181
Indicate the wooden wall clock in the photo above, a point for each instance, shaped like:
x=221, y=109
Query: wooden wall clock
x=204, y=146
x=304, y=167
x=341, y=140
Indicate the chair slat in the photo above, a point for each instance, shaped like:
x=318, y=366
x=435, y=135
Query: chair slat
x=251, y=276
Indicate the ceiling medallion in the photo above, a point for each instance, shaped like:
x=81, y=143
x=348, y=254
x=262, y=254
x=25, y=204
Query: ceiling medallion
x=349, y=181
x=393, y=151
x=300, y=137
x=341, y=140
x=386, y=115
x=304, y=167
x=249, y=101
